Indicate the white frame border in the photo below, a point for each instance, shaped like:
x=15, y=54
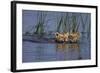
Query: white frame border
x=35, y=65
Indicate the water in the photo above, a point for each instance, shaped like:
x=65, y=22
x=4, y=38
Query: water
x=43, y=52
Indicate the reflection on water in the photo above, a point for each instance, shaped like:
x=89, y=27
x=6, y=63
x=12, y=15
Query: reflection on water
x=42, y=52
x=64, y=45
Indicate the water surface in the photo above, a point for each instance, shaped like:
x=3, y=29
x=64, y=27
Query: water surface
x=43, y=52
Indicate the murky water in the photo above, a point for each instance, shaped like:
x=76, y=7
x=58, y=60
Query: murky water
x=43, y=52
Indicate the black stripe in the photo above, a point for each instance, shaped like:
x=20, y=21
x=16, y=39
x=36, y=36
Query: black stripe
x=13, y=36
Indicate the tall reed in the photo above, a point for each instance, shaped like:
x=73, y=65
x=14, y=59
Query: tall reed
x=62, y=23
x=75, y=25
x=41, y=17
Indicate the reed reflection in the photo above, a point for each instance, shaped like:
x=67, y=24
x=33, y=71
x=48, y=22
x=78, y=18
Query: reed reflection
x=64, y=46
x=69, y=51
